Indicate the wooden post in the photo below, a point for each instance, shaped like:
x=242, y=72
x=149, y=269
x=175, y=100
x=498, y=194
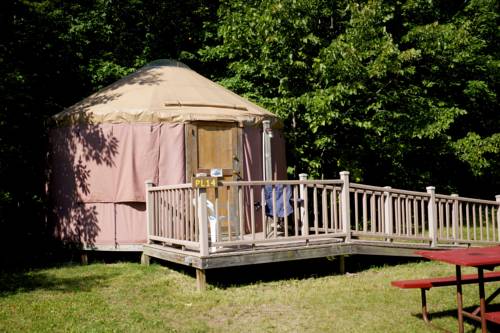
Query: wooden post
x=149, y=210
x=458, y=274
x=201, y=280
x=241, y=210
x=203, y=221
x=388, y=213
x=303, y=212
x=342, y=265
x=346, y=223
x=432, y=213
x=144, y=259
x=454, y=219
x=497, y=198
x=84, y=257
x=267, y=134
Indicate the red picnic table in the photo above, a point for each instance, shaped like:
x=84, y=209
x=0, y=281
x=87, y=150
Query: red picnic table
x=482, y=258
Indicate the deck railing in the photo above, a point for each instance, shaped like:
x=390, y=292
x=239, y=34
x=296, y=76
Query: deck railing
x=273, y=211
x=171, y=214
x=390, y=213
x=467, y=220
x=250, y=213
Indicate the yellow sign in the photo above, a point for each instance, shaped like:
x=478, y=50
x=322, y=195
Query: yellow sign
x=204, y=182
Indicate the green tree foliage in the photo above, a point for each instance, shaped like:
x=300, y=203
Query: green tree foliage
x=52, y=54
x=397, y=92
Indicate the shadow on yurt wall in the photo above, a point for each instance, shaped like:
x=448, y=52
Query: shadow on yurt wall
x=163, y=123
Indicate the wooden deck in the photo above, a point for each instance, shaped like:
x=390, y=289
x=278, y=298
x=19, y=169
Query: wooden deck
x=271, y=221
x=283, y=252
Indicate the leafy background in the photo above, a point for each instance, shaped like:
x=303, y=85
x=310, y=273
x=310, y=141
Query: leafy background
x=400, y=93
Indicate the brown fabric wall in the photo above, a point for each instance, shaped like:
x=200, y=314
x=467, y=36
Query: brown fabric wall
x=172, y=162
x=98, y=173
x=252, y=170
x=111, y=162
x=135, y=161
x=131, y=223
x=102, y=223
x=252, y=167
x=279, y=155
x=252, y=154
x=85, y=223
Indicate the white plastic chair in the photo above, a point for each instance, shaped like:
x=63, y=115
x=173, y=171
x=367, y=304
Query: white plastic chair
x=212, y=220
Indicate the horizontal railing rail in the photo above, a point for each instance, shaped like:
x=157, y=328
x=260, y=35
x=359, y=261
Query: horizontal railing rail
x=252, y=213
x=472, y=200
x=392, y=190
x=282, y=182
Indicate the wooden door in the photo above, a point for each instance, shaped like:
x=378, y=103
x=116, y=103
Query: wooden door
x=217, y=145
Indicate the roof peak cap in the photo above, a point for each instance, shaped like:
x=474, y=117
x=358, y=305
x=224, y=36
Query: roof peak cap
x=166, y=63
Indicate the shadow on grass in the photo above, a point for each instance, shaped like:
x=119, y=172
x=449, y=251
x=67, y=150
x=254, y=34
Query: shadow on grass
x=297, y=269
x=104, y=257
x=492, y=327
x=23, y=281
x=16, y=282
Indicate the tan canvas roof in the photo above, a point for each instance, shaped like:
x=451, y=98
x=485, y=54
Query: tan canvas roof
x=164, y=91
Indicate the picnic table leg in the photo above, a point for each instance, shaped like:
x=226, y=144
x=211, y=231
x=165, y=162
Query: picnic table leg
x=425, y=313
x=459, y=299
x=482, y=302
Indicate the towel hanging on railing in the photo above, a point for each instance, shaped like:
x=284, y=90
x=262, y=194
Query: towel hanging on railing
x=280, y=207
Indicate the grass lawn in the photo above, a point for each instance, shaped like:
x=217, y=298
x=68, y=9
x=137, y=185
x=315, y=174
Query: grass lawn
x=126, y=297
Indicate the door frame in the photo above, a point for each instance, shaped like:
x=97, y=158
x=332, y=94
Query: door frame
x=236, y=173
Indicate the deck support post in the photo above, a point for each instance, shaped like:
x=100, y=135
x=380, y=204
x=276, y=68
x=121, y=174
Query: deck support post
x=203, y=221
x=84, y=258
x=454, y=219
x=201, y=279
x=303, y=211
x=432, y=214
x=342, y=264
x=388, y=213
x=345, y=204
x=144, y=259
x=149, y=210
x=497, y=198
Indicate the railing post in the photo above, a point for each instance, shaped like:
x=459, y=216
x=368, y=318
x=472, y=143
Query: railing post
x=497, y=198
x=432, y=213
x=346, y=223
x=202, y=218
x=388, y=213
x=454, y=218
x=149, y=210
x=303, y=199
x=267, y=134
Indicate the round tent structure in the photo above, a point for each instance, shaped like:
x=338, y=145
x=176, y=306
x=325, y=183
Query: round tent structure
x=164, y=123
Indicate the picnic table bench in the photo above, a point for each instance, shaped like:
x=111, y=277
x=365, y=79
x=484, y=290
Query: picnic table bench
x=427, y=284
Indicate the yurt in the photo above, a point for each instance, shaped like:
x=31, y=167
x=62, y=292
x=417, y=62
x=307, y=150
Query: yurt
x=164, y=123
